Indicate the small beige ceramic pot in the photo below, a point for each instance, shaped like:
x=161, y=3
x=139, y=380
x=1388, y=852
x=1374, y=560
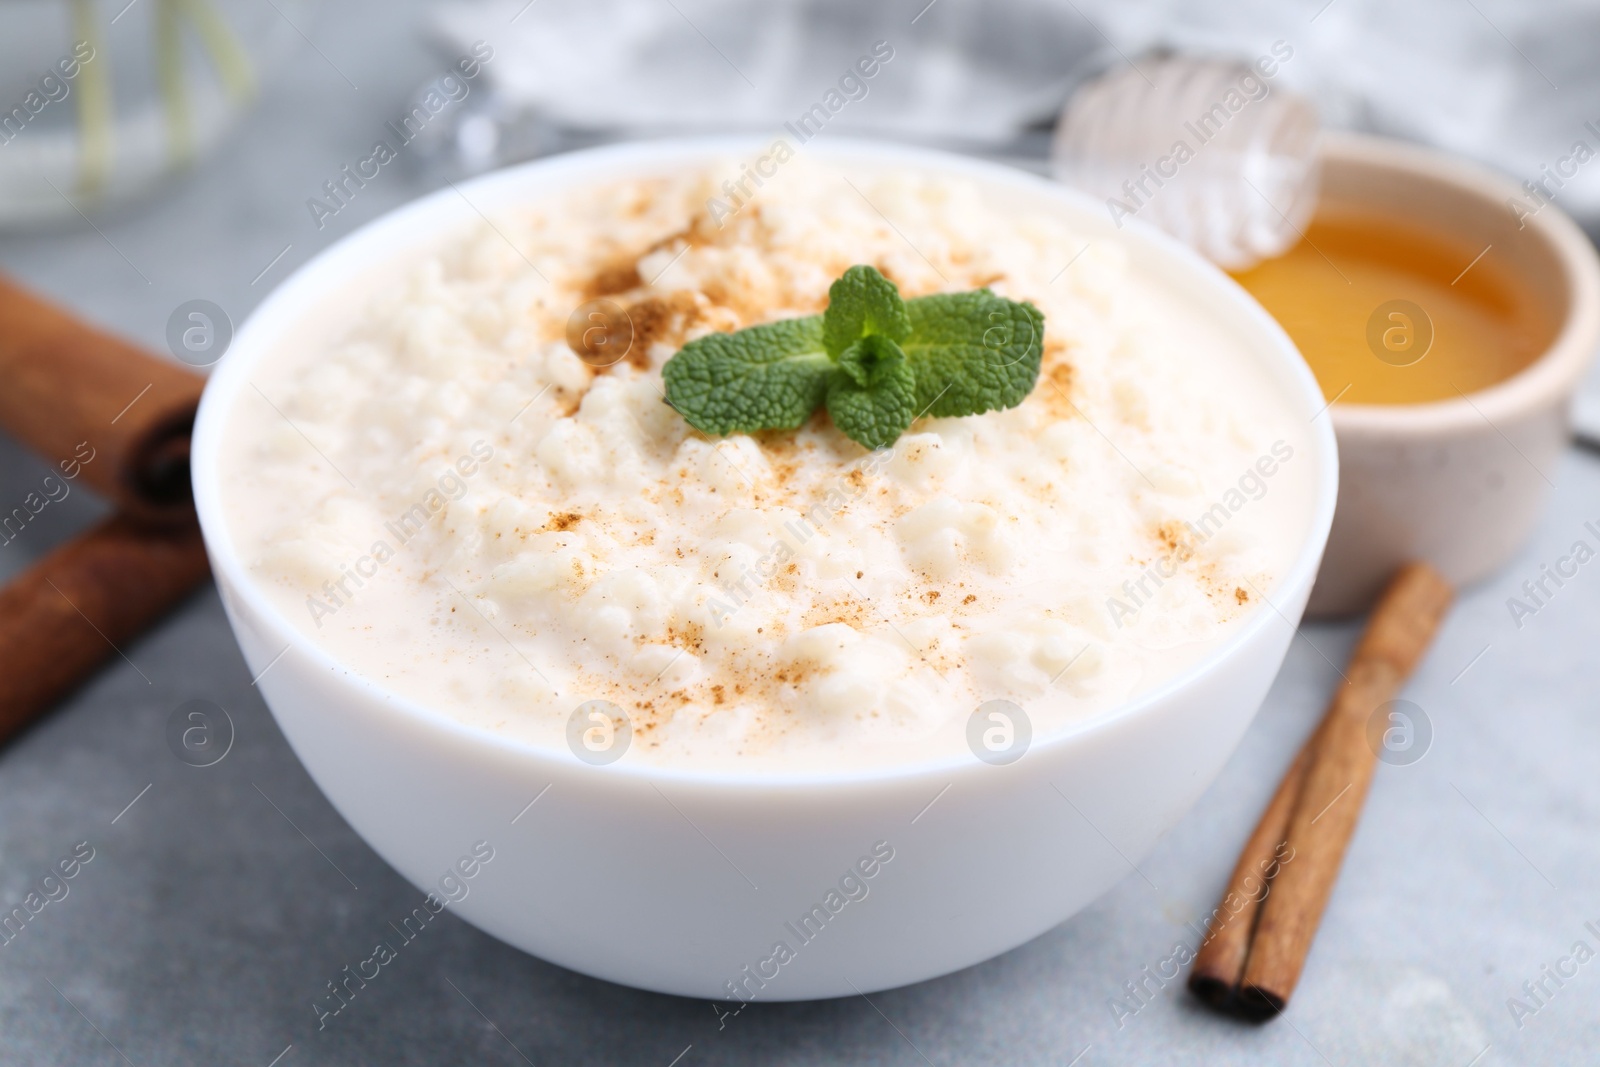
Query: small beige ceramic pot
x=1458, y=483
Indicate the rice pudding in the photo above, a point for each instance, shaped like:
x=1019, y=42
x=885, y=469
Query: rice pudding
x=436, y=487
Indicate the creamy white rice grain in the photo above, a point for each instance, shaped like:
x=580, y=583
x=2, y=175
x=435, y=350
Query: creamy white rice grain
x=451, y=502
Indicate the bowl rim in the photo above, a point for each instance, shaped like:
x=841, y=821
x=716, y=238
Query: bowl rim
x=1555, y=373
x=429, y=217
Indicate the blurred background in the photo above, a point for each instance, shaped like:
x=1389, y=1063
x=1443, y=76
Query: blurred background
x=1498, y=81
x=204, y=128
x=157, y=152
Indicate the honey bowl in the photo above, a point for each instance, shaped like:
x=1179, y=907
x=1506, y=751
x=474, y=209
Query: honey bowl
x=1449, y=316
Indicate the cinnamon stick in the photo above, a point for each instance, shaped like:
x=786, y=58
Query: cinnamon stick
x=82, y=603
x=1219, y=964
x=72, y=391
x=1336, y=780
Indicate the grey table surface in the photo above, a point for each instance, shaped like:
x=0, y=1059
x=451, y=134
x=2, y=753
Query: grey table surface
x=211, y=914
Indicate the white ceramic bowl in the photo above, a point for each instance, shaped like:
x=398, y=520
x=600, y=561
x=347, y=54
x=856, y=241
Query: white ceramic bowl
x=1461, y=482
x=678, y=881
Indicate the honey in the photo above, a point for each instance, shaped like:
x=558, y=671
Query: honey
x=1387, y=312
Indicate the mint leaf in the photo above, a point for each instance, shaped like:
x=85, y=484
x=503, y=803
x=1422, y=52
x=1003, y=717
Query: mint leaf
x=767, y=377
x=873, y=397
x=866, y=360
x=878, y=362
x=862, y=303
x=972, y=352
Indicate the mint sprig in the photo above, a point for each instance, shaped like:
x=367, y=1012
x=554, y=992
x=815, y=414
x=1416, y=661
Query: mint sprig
x=877, y=361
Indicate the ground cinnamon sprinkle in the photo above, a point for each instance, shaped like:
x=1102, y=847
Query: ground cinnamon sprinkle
x=562, y=522
x=618, y=276
x=660, y=318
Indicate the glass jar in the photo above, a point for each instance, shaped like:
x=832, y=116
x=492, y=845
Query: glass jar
x=101, y=100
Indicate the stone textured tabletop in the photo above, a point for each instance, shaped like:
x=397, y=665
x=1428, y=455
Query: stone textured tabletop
x=220, y=900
